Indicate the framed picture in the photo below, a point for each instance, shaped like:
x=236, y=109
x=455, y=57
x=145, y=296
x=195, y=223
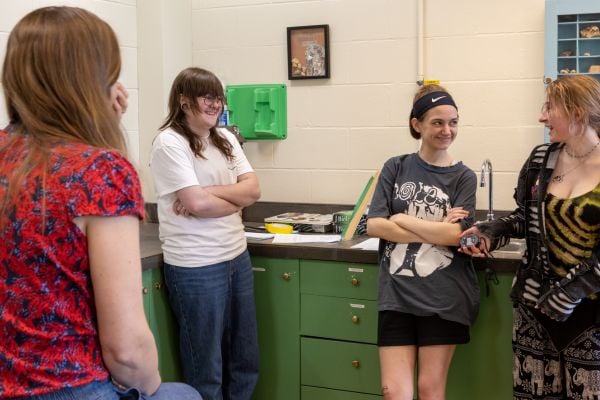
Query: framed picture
x=308, y=52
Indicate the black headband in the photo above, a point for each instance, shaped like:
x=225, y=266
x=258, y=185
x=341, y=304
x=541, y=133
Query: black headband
x=429, y=101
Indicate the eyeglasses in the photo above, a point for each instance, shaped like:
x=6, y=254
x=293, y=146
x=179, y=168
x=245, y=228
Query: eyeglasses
x=209, y=100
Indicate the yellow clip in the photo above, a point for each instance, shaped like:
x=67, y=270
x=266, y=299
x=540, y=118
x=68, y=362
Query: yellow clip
x=279, y=228
x=431, y=82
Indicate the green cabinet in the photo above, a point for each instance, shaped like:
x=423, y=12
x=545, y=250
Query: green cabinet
x=482, y=369
x=339, y=318
x=338, y=352
x=277, y=297
x=338, y=279
x=337, y=364
x=163, y=324
x=318, y=330
x=316, y=393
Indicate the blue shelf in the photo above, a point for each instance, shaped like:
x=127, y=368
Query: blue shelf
x=565, y=19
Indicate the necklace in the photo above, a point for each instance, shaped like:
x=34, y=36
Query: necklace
x=561, y=177
x=572, y=155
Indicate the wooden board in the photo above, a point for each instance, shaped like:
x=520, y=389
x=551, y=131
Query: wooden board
x=360, y=206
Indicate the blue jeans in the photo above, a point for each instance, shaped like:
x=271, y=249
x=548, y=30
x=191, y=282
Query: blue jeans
x=107, y=391
x=214, y=306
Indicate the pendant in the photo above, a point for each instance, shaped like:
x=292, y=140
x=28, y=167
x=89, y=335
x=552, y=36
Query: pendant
x=557, y=179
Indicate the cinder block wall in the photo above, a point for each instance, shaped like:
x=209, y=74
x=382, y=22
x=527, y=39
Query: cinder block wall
x=488, y=54
x=121, y=15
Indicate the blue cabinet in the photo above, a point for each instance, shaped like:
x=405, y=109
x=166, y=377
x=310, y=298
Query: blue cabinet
x=572, y=38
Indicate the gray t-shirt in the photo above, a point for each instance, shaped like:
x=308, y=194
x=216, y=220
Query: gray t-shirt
x=420, y=278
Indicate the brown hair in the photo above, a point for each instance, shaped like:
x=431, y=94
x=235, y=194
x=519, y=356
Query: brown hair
x=59, y=67
x=422, y=91
x=579, y=97
x=190, y=84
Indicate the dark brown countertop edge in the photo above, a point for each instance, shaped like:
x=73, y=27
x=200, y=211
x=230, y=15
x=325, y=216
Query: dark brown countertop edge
x=152, y=253
x=502, y=265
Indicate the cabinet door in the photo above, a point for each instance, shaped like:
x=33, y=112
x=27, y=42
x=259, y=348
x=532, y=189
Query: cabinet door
x=339, y=279
x=277, y=296
x=482, y=369
x=341, y=365
x=313, y=393
x=339, y=318
x=163, y=325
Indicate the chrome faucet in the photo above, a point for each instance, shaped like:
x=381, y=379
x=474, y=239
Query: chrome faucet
x=486, y=167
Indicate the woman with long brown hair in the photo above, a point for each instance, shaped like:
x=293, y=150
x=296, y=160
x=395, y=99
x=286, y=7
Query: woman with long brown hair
x=203, y=180
x=72, y=322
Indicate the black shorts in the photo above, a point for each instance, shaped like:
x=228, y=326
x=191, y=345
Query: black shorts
x=401, y=329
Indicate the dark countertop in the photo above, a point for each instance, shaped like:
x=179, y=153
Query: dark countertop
x=150, y=247
x=152, y=254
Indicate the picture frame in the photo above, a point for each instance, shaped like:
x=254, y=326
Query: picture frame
x=308, y=52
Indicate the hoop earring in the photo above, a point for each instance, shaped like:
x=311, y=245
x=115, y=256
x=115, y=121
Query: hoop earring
x=182, y=106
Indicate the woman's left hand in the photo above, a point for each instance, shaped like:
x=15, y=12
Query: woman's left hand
x=179, y=209
x=118, y=99
x=455, y=214
x=479, y=250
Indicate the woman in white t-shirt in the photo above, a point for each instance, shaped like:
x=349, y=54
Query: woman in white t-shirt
x=203, y=180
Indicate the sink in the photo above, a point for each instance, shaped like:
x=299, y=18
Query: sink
x=513, y=250
x=514, y=245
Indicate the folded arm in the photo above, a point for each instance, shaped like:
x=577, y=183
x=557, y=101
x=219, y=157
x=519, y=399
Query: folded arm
x=127, y=344
x=434, y=232
x=244, y=192
x=200, y=202
x=386, y=229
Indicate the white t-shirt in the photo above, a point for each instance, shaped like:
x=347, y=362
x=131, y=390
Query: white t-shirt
x=195, y=241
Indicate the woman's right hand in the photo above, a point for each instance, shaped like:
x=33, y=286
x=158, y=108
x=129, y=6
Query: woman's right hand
x=118, y=99
x=480, y=250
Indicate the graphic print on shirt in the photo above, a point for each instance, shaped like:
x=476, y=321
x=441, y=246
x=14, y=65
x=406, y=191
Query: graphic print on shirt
x=426, y=202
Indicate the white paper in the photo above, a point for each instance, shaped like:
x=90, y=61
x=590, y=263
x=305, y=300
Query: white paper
x=258, y=235
x=369, y=244
x=297, y=238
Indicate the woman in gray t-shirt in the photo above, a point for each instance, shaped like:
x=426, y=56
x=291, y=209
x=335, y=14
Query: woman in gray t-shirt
x=428, y=292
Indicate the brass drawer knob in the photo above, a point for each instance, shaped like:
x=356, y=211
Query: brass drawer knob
x=145, y=290
x=157, y=285
x=356, y=364
x=355, y=319
x=286, y=276
x=355, y=282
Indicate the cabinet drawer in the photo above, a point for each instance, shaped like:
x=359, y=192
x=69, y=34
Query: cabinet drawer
x=340, y=365
x=331, y=278
x=314, y=393
x=338, y=318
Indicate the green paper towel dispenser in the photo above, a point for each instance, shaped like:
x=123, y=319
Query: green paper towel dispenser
x=260, y=111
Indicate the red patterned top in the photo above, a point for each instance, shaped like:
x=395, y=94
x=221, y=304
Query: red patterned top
x=48, y=330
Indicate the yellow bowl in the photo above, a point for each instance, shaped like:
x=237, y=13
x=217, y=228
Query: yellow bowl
x=279, y=228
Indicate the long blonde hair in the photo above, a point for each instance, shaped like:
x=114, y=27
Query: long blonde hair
x=59, y=67
x=579, y=97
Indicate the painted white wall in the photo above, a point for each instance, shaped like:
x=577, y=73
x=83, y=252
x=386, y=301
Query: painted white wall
x=165, y=48
x=488, y=54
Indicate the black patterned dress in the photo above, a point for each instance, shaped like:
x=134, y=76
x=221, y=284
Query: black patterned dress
x=561, y=360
